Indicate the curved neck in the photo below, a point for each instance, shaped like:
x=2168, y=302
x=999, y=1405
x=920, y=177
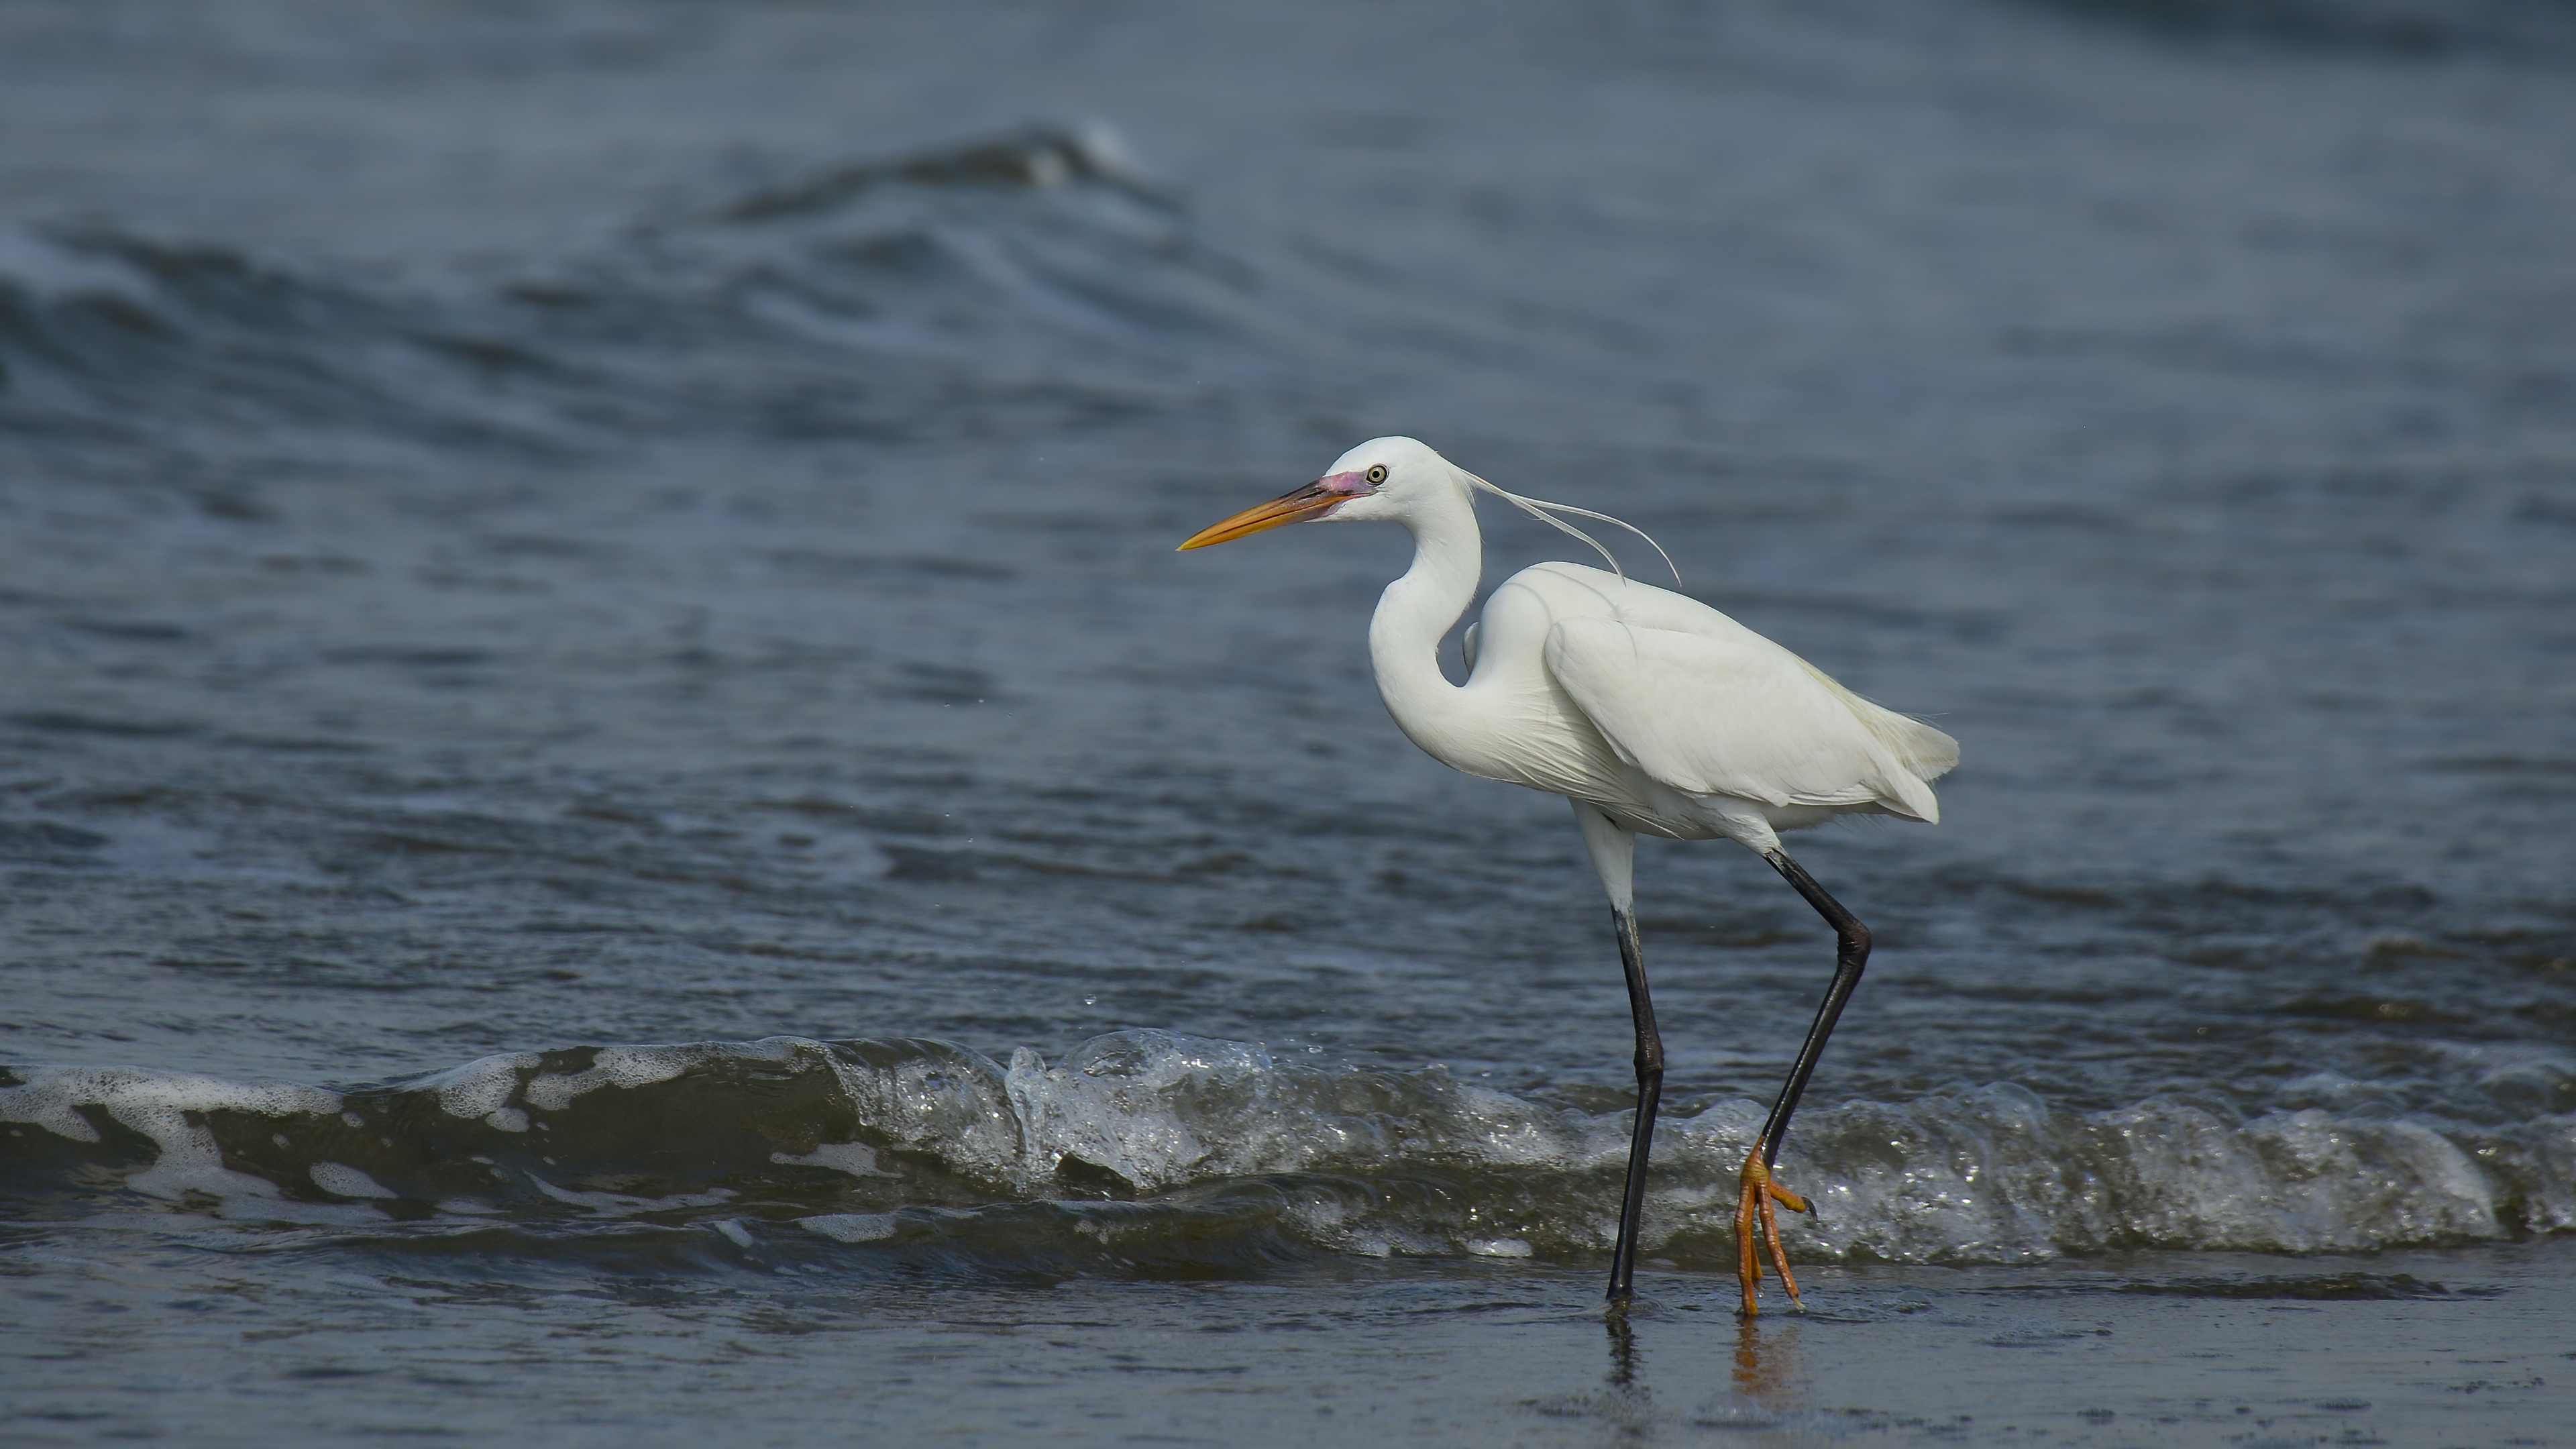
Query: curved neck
x=1417, y=609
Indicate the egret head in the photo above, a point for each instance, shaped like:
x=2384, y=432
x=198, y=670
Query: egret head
x=1380, y=480
x=1393, y=480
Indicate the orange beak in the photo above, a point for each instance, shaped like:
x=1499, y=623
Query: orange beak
x=1310, y=502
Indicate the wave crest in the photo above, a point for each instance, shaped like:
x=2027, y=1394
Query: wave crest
x=1147, y=1137
x=1031, y=278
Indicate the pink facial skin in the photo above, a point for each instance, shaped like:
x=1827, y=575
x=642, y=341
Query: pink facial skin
x=1340, y=488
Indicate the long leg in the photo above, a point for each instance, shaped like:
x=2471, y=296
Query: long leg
x=1650, y=1095
x=1614, y=853
x=1851, y=957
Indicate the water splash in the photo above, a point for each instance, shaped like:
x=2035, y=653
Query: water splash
x=1152, y=1138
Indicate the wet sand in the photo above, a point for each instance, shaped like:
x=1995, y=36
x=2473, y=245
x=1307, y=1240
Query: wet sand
x=2462, y=1347
x=2459, y=1348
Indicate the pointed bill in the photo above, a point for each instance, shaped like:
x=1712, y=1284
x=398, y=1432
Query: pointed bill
x=1310, y=502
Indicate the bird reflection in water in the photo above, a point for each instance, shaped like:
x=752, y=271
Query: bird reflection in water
x=1629, y=1405
x=1623, y=1351
x=1765, y=1374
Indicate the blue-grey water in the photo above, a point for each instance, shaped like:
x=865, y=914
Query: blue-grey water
x=620, y=825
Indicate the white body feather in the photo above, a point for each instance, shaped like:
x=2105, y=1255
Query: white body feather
x=1652, y=708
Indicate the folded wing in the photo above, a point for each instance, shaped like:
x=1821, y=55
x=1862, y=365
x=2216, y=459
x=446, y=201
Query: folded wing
x=1735, y=714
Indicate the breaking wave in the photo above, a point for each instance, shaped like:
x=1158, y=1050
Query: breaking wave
x=1148, y=1149
x=1028, y=279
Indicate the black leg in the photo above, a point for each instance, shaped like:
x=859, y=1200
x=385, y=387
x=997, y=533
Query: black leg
x=1851, y=956
x=1650, y=1094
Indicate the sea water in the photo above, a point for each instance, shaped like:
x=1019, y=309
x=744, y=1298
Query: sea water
x=620, y=824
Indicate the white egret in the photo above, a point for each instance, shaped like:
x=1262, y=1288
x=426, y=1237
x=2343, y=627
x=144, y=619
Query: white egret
x=1648, y=711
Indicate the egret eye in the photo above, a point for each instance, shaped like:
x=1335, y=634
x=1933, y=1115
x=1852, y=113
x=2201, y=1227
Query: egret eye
x=1377, y=474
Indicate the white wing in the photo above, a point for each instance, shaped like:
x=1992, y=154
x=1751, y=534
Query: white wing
x=1728, y=712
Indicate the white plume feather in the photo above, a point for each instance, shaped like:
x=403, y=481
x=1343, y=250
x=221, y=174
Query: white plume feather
x=1536, y=508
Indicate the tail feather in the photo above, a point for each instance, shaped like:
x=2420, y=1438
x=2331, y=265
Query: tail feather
x=1926, y=751
x=1922, y=754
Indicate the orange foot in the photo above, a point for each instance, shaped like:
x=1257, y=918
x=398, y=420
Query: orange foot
x=1760, y=1192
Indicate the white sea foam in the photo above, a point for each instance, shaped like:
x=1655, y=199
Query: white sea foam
x=1997, y=1176
x=618, y=1204
x=855, y=1158
x=851, y=1227
x=346, y=1181
x=628, y=1066
x=160, y=1106
x=480, y=1087
x=1364, y=1159
x=1160, y=1108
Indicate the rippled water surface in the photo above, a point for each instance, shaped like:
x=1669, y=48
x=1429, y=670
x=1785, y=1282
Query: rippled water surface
x=617, y=814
